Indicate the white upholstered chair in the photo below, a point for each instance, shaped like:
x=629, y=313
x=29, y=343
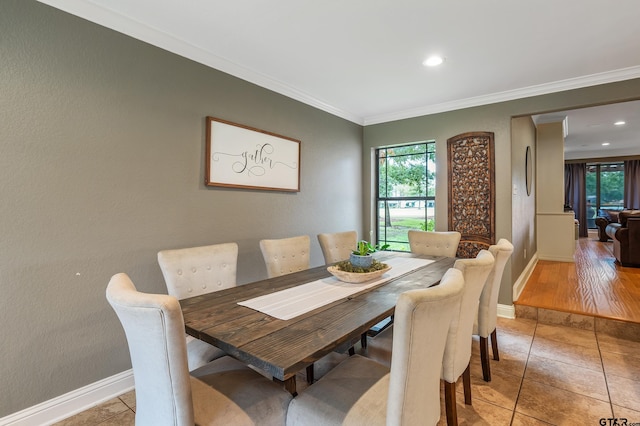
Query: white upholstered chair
x=458, y=348
x=337, y=246
x=286, y=255
x=223, y=392
x=488, y=309
x=360, y=391
x=434, y=243
x=457, y=351
x=194, y=271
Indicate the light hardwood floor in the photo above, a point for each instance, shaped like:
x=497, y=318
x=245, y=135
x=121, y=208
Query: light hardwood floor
x=595, y=285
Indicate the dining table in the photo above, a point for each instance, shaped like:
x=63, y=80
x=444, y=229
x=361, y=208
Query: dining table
x=283, y=347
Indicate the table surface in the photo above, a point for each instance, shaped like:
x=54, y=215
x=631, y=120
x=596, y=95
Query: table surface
x=284, y=347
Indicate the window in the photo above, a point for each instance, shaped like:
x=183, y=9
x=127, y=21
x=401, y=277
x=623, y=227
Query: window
x=406, y=192
x=605, y=187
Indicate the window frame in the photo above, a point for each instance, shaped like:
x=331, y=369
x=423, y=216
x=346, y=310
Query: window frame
x=598, y=190
x=428, y=201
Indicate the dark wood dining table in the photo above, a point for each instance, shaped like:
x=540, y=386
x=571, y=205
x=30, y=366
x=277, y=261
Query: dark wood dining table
x=281, y=348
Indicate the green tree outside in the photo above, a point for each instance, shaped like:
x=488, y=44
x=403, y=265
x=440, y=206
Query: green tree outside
x=406, y=187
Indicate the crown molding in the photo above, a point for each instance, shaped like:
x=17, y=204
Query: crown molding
x=510, y=95
x=155, y=37
x=140, y=31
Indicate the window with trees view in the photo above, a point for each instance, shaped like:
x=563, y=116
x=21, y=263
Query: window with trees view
x=406, y=192
x=604, y=187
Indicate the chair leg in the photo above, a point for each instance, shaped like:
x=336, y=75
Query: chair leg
x=466, y=382
x=484, y=359
x=494, y=345
x=310, y=374
x=363, y=340
x=352, y=351
x=450, y=403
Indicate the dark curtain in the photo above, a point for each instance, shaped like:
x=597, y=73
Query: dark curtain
x=575, y=193
x=631, y=184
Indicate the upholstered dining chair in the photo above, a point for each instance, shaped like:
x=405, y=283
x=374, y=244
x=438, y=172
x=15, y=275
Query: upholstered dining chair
x=222, y=392
x=457, y=351
x=194, y=271
x=337, y=246
x=458, y=347
x=434, y=243
x=286, y=255
x=485, y=324
x=360, y=391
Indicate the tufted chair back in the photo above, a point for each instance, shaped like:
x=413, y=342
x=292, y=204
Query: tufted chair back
x=194, y=271
x=286, y=255
x=338, y=246
x=154, y=328
x=434, y=243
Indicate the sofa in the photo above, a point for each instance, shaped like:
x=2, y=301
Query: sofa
x=626, y=237
x=605, y=217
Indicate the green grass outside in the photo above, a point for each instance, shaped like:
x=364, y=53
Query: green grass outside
x=398, y=232
x=408, y=222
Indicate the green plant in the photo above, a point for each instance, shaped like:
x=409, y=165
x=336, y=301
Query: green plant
x=429, y=225
x=364, y=248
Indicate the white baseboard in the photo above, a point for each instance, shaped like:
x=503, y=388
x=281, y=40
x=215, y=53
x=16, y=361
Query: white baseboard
x=509, y=311
x=518, y=286
x=506, y=311
x=71, y=403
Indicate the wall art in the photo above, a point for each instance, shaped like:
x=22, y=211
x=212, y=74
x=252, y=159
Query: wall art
x=472, y=191
x=244, y=157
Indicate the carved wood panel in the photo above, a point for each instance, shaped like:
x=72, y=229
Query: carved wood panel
x=471, y=182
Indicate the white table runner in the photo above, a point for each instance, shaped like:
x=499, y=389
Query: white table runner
x=294, y=301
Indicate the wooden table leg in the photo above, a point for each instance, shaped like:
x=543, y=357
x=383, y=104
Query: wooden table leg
x=310, y=375
x=289, y=384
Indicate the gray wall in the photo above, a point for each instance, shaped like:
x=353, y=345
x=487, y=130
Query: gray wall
x=523, y=237
x=102, y=165
x=509, y=158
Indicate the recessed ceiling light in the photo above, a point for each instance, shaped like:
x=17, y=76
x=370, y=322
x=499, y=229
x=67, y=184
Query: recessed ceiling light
x=619, y=123
x=605, y=143
x=433, y=61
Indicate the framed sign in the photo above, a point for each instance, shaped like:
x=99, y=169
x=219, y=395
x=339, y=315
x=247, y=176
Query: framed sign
x=243, y=157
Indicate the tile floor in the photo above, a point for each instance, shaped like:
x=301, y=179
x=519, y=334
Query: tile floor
x=554, y=369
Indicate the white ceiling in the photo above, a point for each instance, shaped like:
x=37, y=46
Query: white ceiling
x=362, y=59
x=589, y=128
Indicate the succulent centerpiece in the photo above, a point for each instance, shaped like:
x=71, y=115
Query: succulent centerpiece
x=361, y=265
x=361, y=256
